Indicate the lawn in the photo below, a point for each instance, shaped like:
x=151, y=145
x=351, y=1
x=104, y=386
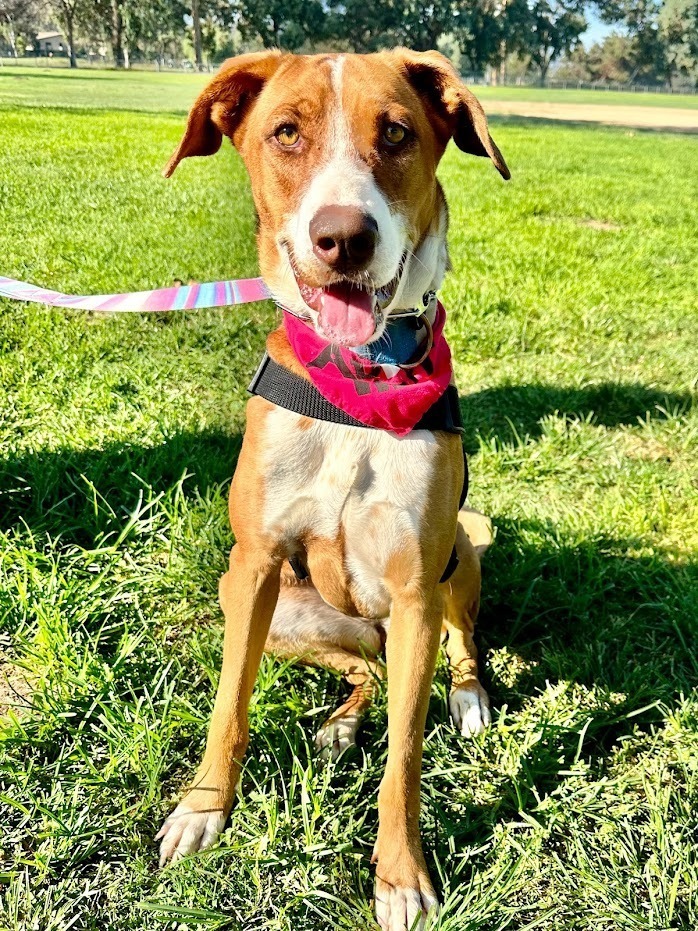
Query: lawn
x=53, y=86
x=585, y=96
x=573, y=323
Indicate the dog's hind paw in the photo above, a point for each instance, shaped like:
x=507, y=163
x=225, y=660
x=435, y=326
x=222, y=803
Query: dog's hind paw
x=336, y=736
x=470, y=709
x=187, y=831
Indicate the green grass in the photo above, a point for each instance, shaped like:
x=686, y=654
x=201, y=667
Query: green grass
x=36, y=86
x=93, y=88
x=572, y=95
x=572, y=320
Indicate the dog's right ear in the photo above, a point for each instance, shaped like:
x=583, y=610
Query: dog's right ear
x=221, y=106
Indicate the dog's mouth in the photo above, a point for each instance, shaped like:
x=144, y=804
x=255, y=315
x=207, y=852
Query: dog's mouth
x=349, y=312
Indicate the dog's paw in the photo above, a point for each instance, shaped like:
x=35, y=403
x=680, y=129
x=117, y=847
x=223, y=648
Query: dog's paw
x=336, y=736
x=187, y=831
x=405, y=908
x=470, y=709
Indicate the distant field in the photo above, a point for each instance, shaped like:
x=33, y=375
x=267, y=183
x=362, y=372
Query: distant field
x=99, y=89
x=571, y=96
x=170, y=91
x=572, y=320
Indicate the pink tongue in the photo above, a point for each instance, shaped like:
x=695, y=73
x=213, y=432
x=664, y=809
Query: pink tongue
x=346, y=314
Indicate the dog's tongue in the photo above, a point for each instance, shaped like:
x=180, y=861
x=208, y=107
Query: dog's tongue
x=346, y=314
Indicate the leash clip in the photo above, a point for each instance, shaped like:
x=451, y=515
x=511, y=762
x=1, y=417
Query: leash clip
x=428, y=347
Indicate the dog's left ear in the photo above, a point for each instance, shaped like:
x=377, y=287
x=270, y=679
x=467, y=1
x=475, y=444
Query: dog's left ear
x=454, y=111
x=221, y=107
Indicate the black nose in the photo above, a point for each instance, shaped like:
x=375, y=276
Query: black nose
x=344, y=238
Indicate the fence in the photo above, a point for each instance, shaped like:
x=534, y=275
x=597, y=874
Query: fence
x=96, y=62
x=185, y=65
x=567, y=84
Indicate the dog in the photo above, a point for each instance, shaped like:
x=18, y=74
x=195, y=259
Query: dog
x=350, y=534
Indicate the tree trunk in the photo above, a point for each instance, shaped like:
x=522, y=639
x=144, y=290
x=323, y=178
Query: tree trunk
x=117, y=34
x=70, y=29
x=12, y=37
x=196, y=20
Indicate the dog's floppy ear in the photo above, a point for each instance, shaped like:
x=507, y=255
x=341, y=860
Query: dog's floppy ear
x=454, y=111
x=220, y=107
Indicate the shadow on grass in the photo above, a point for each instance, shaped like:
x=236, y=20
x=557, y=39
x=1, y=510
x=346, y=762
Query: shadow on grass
x=507, y=409
x=79, y=495
x=612, y=632
x=583, y=612
x=54, y=492
x=590, y=613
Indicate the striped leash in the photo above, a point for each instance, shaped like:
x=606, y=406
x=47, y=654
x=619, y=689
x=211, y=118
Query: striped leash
x=179, y=297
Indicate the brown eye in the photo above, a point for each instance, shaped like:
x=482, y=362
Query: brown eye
x=287, y=135
x=394, y=134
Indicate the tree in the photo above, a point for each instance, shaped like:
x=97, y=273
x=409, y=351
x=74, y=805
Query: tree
x=17, y=19
x=613, y=60
x=285, y=24
x=130, y=26
x=153, y=24
x=554, y=29
x=678, y=32
x=368, y=27
x=482, y=33
x=641, y=19
x=69, y=14
x=196, y=28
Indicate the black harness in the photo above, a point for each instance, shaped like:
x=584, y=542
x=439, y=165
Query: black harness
x=284, y=388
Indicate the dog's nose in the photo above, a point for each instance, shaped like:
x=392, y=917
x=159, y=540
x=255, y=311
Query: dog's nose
x=344, y=237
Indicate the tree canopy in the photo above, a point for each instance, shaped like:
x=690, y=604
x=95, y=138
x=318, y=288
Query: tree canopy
x=656, y=39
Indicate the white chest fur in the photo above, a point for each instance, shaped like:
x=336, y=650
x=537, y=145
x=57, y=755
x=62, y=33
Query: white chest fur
x=369, y=487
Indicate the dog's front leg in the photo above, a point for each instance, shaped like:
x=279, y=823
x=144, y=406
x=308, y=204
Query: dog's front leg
x=403, y=889
x=248, y=594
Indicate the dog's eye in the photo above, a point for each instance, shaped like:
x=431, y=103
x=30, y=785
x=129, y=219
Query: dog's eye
x=287, y=135
x=394, y=134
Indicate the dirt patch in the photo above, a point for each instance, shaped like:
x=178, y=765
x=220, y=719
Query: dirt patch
x=15, y=689
x=668, y=118
x=647, y=448
x=604, y=226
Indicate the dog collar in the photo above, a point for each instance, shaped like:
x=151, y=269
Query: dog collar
x=405, y=333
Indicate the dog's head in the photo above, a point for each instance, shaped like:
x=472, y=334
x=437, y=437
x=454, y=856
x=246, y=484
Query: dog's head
x=342, y=152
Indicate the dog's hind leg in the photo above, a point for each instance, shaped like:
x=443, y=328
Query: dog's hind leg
x=307, y=629
x=468, y=701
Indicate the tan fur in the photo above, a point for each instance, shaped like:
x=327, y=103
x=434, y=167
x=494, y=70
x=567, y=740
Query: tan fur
x=265, y=606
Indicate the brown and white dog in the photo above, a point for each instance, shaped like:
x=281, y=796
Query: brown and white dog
x=342, y=152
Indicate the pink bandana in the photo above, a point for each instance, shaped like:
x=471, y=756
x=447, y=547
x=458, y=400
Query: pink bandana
x=362, y=388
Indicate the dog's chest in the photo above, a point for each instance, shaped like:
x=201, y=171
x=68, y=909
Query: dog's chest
x=356, y=494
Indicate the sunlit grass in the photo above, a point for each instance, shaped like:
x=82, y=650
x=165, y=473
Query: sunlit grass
x=572, y=320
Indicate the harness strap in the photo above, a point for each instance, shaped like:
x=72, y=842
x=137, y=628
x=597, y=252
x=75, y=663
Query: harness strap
x=286, y=389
